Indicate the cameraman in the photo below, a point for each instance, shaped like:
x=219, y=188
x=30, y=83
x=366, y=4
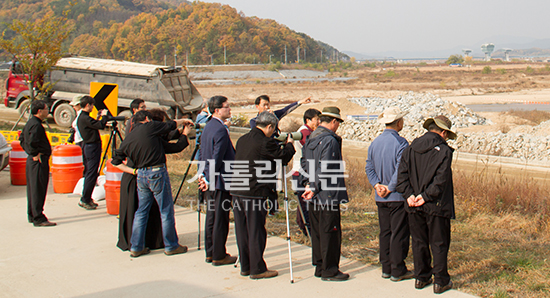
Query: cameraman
x=250, y=208
x=89, y=130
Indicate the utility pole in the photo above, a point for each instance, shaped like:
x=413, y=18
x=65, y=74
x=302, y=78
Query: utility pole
x=321, y=56
x=175, y=57
x=298, y=54
x=285, y=55
x=212, y=59
x=224, y=55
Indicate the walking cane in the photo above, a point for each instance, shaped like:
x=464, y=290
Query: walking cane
x=288, y=227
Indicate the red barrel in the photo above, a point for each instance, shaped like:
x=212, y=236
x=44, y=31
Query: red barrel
x=112, y=188
x=18, y=162
x=67, y=167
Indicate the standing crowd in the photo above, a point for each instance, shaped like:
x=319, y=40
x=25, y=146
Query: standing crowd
x=412, y=182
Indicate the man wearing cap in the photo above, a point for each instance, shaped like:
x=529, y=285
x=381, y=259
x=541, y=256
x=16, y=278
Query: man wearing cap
x=383, y=159
x=325, y=190
x=425, y=179
x=76, y=137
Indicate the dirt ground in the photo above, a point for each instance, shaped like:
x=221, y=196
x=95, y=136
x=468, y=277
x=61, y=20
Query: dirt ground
x=508, y=83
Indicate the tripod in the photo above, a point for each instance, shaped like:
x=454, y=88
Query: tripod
x=200, y=197
x=112, y=138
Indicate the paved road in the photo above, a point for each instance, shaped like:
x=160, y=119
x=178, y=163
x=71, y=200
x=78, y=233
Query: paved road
x=78, y=258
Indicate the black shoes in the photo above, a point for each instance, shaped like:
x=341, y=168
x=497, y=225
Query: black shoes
x=45, y=224
x=228, y=260
x=87, y=206
x=135, y=254
x=386, y=275
x=340, y=276
x=208, y=260
x=408, y=275
x=438, y=289
x=180, y=250
x=422, y=284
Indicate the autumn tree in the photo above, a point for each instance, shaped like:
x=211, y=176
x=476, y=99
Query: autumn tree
x=455, y=59
x=37, y=46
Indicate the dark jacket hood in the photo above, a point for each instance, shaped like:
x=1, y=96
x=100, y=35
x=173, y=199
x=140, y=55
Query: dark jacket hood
x=427, y=142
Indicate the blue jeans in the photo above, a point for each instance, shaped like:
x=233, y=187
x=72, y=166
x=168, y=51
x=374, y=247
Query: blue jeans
x=154, y=184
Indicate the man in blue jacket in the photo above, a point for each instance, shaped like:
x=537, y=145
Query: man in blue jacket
x=216, y=147
x=325, y=189
x=263, y=104
x=383, y=160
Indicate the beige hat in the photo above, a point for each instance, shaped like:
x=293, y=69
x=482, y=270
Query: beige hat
x=391, y=114
x=441, y=122
x=333, y=112
x=76, y=100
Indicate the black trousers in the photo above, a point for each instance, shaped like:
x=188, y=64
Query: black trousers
x=92, y=153
x=81, y=145
x=251, y=234
x=218, y=205
x=326, y=238
x=430, y=232
x=38, y=176
x=394, y=237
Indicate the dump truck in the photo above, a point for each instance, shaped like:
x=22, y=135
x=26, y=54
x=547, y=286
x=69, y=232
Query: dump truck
x=167, y=87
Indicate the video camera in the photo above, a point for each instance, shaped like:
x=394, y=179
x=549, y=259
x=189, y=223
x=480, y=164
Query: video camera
x=296, y=136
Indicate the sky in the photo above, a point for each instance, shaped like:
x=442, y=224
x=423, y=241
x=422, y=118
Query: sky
x=364, y=26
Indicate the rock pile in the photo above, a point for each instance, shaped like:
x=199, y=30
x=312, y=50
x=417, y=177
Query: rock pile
x=527, y=142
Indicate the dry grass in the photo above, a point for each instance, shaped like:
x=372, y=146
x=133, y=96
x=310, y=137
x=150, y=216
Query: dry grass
x=500, y=238
x=534, y=117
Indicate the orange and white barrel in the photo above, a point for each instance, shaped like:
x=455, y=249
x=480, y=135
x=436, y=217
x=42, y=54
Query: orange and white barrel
x=18, y=162
x=67, y=167
x=112, y=188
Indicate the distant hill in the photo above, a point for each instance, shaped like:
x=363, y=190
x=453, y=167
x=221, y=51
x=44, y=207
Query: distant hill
x=149, y=30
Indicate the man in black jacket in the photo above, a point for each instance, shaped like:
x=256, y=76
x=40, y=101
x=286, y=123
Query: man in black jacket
x=425, y=179
x=144, y=146
x=255, y=158
x=89, y=130
x=37, y=146
x=325, y=189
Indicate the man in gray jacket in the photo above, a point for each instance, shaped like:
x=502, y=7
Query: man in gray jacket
x=325, y=190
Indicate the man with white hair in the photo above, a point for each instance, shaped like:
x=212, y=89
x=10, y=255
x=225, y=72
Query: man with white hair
x=384, y=155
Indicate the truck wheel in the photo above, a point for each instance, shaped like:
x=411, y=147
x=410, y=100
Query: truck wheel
x=23, y=109
x=64, y=115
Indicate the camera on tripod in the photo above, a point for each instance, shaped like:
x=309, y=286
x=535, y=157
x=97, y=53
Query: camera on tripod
x=296, y=136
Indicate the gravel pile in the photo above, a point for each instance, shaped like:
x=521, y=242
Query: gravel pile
x=527, y=142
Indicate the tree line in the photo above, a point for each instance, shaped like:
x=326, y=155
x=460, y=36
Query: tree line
x=149, y=30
